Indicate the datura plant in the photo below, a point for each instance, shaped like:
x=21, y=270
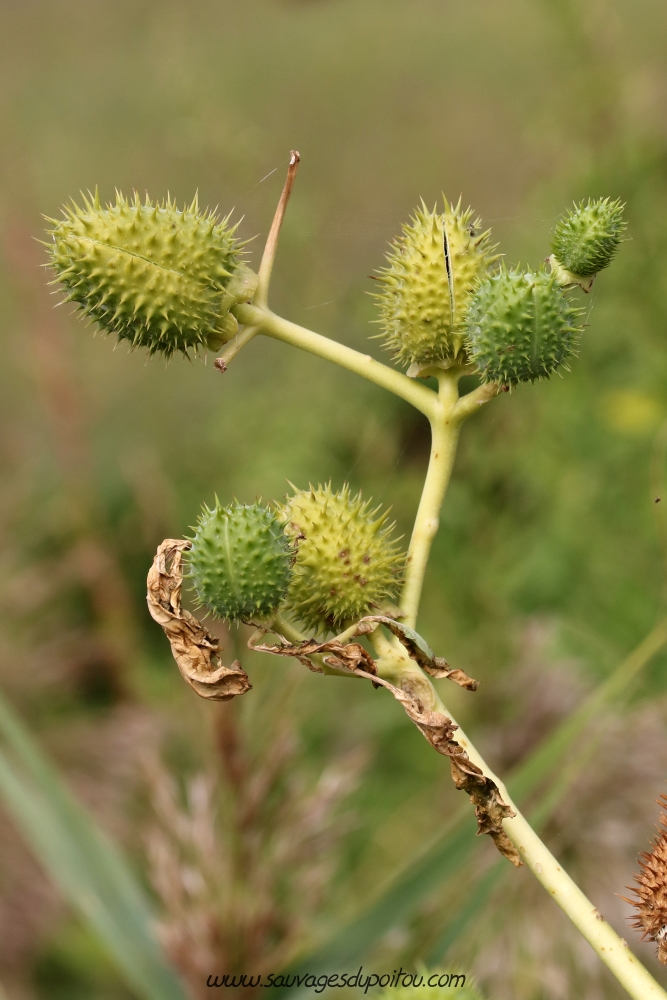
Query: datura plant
x=320, y=574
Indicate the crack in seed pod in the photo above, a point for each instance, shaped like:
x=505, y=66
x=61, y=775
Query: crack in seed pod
x=155, y=276
x=434, y=268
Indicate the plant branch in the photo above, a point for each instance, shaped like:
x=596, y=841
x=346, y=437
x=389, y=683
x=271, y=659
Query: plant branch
x=234, y=346
x=266, y=322
x=269, y=255
x=284, y=628
x=611, y=948
x=265, y=268
x=281, y=627
x=445, y=426
x=470, y=403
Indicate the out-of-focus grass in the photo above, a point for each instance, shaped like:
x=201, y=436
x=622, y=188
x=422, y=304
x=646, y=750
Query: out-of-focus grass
x=550, y=526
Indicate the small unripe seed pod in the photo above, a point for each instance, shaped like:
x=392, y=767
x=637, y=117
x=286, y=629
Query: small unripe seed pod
x=240, y=561
x=585, y=240
x=434, y=267
x=155, y=276
x=521, y=327
x=346, y=560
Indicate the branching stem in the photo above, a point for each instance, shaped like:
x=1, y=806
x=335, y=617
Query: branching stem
x=445, y=412
x=420, y=396
x=445, y=424
x=266, y=266
x=261, y=296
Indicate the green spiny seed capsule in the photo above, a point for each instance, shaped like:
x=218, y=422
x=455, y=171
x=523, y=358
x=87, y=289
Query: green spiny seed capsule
x=240, y=561
x=521, y=327
x=585, y=240
x=346, y=560
x=158, y=277
x=434, y=267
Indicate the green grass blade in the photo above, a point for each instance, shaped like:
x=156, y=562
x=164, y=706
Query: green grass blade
x=548, y=756
x=474, y=903
x=438, y=864
x=445, y=856
x=89, y=870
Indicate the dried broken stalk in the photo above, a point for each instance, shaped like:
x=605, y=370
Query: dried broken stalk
x=438, y=729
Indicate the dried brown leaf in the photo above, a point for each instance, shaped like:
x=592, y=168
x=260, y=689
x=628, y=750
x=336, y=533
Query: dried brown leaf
x=438, y=729
x=350, y=656
x=418, y=649
x=196, y=651
x=442, y=671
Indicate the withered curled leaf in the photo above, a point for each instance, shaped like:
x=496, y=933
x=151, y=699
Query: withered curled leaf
x=439, y=730
x=350, y=656
x=196, y=651
x=418, y=649
x=436, y=727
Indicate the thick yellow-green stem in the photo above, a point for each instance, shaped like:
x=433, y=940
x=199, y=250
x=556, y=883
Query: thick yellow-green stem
x=394, y=665
x=444, y=438
x=265, y=321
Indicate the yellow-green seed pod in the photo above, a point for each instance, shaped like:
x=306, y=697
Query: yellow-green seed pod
x=434, y=268
x=240, y=561
x=585, y=241
x=346, y=561
x=521, y=327
x=154, y=275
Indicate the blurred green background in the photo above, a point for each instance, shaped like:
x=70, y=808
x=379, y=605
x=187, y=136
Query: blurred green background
x=261, y=828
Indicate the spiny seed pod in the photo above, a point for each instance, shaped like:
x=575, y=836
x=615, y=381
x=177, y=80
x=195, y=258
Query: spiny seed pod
x=434, y=267
x=240, y=561
x=346, y=560
x=158, y=277
x=651, y=905
x=585, y=240
x=521, y=327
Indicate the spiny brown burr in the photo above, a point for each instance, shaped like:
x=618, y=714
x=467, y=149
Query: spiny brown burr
x=651, y=905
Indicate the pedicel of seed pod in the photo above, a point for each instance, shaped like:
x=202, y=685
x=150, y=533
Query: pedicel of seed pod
x=434, y=267
x=346, y=559
x=521, y=327
x=154, y=275
x=585, y=241
x=240, y=561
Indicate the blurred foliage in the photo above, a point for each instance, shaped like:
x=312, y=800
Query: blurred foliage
x=550, y=562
